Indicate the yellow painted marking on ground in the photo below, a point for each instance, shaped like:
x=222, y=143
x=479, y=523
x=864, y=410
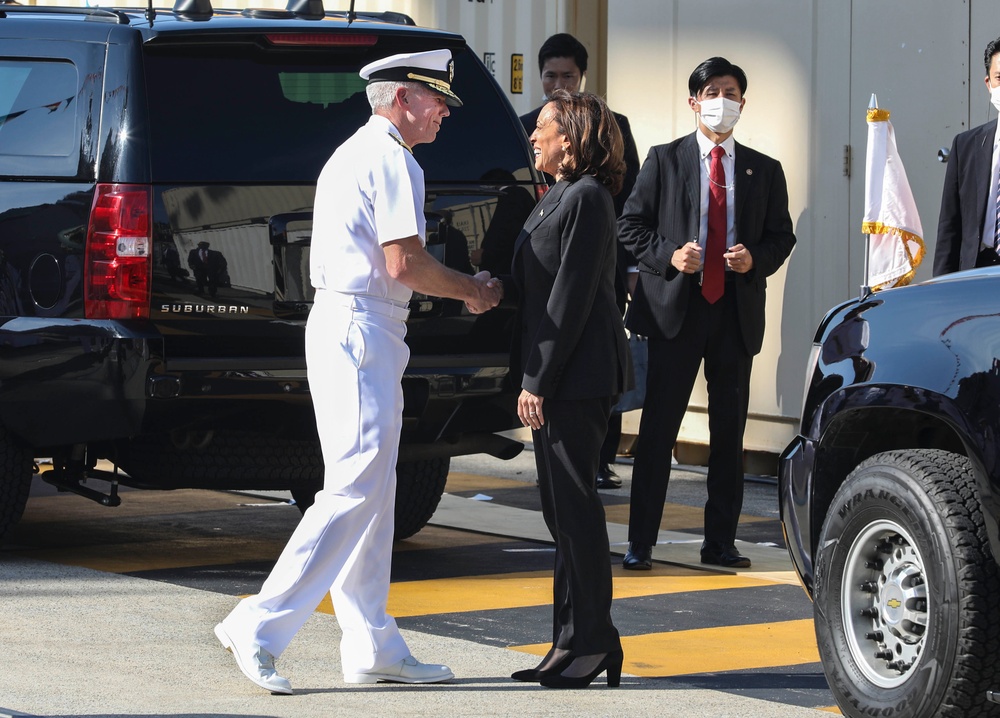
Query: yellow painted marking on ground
x=713, y=650
x=134, y=503
x=676, y=517
x=458, y=481
x=185, y=551
x=831, y=709
x=534, y=588
x=158, y=555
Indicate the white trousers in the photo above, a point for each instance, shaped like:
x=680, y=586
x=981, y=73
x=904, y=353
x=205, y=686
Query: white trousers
x=355, y=360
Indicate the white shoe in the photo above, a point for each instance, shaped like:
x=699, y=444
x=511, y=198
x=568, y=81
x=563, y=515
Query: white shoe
x=255, y=662
x=408, y=670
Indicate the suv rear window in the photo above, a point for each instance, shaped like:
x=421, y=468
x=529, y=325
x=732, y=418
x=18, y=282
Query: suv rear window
x=218, y=118
x=38, y=116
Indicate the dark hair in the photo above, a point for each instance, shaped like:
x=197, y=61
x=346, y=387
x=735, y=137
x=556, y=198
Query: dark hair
x=563, y=45
x=715, y=67
x=595, y=141
x=991, y=49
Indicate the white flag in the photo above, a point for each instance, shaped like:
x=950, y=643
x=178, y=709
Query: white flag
x=896, y=245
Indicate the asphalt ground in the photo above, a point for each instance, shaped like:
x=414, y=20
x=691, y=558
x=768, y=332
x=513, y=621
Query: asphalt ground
x=108, y=612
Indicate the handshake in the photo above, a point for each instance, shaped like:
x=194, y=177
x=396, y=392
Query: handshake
x=487, y=293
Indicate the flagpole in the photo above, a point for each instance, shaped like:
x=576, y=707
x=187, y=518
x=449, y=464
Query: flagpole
x=865, y=288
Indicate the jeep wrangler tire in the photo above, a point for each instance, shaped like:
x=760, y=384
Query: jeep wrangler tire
x=15, y=480
x=906, y=590
x=419, y=487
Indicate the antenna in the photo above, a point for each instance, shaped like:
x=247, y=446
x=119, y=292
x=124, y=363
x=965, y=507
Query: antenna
x=150, y=12
x=351, y=15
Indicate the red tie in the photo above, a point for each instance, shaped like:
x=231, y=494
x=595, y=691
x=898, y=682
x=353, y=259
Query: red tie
x=713, y=274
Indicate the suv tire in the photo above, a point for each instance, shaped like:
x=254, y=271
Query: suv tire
x=15, y=480
x=904, y=575
x=419, y=487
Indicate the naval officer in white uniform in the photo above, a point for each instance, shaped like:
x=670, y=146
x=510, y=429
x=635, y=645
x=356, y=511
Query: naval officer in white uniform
x=367, y=257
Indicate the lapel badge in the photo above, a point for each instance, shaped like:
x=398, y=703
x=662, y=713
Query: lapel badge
x=749, y=171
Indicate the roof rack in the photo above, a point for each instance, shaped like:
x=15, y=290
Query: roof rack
x=96, y=13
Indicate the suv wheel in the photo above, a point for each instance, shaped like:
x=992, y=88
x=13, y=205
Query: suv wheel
x=419, y=486
x=906, y=589
x=15, y=480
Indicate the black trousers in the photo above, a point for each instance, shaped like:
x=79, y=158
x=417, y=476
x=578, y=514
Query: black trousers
x=566, y=458
x=711, y=335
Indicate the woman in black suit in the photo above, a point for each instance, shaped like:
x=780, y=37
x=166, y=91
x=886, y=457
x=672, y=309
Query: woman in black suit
x=572, y=357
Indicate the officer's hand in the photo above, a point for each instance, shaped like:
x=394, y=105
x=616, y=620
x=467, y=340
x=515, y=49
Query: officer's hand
x=489, y=292
x=687, y=259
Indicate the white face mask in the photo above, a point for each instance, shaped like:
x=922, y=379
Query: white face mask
x=995, y=97
x=719, y=114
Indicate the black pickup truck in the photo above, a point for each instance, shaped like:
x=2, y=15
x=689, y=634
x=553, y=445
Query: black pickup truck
x=890, y=498
x=157, y=178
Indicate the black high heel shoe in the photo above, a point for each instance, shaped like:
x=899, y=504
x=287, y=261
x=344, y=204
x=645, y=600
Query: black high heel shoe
x=534, y=675
x=612, y=663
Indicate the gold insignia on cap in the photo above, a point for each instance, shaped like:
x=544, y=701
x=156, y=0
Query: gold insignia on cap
x=451, y=71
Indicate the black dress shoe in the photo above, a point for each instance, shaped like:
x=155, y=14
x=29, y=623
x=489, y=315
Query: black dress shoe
x=730, y=558
x=610, y=662
x=639, y=557
x=550, y=666
x=608, y=479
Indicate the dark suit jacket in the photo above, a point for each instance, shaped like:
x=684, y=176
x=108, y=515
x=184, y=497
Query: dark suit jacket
x=664, y=212
x=212, y=266
x=625, y=260
x=963, y=202
x=570, y=342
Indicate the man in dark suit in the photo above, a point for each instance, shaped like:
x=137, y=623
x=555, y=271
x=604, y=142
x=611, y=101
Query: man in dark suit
x=209, y=268
x=969, y=223
x=708, y=222
x=562, y=65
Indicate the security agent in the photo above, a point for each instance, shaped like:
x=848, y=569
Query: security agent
x=969, y=222
x=704, y=258
x=367, y=257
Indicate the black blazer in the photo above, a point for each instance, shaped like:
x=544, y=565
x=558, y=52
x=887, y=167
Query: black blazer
x=631, y=157
x=963, y=202
x=664, y=212
x=569, y=341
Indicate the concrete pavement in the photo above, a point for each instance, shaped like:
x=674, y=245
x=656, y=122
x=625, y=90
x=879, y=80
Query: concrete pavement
x=79, y=642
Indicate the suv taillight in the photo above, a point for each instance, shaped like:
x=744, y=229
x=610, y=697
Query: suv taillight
x=540, y=190
x=119, y=242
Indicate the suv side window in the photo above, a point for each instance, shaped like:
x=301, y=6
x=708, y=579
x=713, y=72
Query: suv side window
x=38, y=118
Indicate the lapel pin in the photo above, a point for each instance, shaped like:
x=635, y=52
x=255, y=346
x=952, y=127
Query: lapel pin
x=749, y=171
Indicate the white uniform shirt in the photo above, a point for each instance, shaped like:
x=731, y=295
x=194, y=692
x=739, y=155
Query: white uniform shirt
x=371, y=191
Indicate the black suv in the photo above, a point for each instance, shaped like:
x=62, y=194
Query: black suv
x=890, y=498
x=130, y=141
